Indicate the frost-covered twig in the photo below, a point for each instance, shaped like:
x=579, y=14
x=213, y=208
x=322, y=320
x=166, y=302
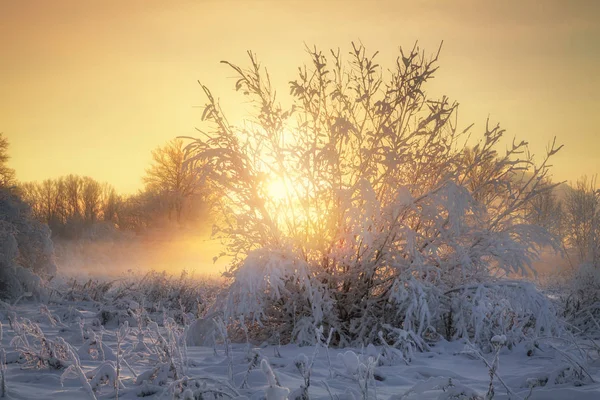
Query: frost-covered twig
x=498, y=342
x=75, y=369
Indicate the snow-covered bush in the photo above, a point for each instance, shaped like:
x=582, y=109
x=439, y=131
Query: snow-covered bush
x=35, y=348
x=26, y=250
x=359, y=207
x=189, y=388
x=514, y=309
x=451, y=389
x=581, y=303
x=152, y=295
x=202, y=332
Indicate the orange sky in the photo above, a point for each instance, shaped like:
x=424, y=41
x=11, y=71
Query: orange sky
x=90, y=87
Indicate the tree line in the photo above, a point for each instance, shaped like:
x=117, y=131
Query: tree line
x=174, y=193
x=34, y=214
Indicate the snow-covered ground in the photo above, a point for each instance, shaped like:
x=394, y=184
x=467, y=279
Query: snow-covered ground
x=156, y=366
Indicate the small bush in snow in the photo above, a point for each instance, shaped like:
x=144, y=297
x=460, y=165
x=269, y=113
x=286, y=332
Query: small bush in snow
x=515, y=309
x=451, y=390
x=274, y=391
x=37, y=350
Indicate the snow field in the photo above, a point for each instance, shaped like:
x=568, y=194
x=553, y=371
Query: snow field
x=155, y=362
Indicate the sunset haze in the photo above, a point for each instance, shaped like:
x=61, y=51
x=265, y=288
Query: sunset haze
x=93, y=87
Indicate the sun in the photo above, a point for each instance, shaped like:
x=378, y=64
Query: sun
x=277, y=190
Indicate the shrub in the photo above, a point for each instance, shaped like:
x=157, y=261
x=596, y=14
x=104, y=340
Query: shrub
x=358, y=206
x=26, y=250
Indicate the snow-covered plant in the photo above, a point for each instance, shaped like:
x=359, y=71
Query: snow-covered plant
x=497, y=343
x=573, y=370
x=168, y=349
x=390, y=353
x=2, y=373
x=366, y=378
x=105, y=374
x=158, y=375
x=222, y=328
x=361, y=370
x=582, y=237
x=452, y=389
x=277, y=345
x=254, y=360
x=515, y=309
x=38, y=350
x=122, y=333
x=274, y=391
x=402, y=341
x=2, y=364
x=277, y=275
x=325, y=343
x=93, y=348
x=202, y=388
x=53, y=319
x=581, y=304
x=304, y=367
x=359, y=204
x=90, y=290
x=576, y=359
x=74, y=370
x=140, y=298
x=26, y=250
x=183, y=293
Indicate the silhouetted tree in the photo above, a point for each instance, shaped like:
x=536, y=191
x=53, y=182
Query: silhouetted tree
x=174, y=179
x=582, y=220
x=71, y=204
x=73, y=187
x=111, y=202
x=91, y=198
x=51, y=192
x=546, y=210
x=7, y=175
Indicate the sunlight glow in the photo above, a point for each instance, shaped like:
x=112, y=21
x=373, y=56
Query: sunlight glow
x=277, y=190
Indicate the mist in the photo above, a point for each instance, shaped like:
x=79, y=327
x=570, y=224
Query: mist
x=168, y=249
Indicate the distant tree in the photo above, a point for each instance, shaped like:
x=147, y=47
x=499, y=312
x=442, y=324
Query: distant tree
x=174, y=179
x=546, y=210
x=91, y=197
x=7, y=175
x=581, y=227
x=31, y=194
x=582, y=220
x=111, y=202
x=73, y=189
x=51, y=197
x=71, y=204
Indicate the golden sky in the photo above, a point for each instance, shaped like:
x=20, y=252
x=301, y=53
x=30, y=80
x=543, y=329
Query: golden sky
x=91, y=87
